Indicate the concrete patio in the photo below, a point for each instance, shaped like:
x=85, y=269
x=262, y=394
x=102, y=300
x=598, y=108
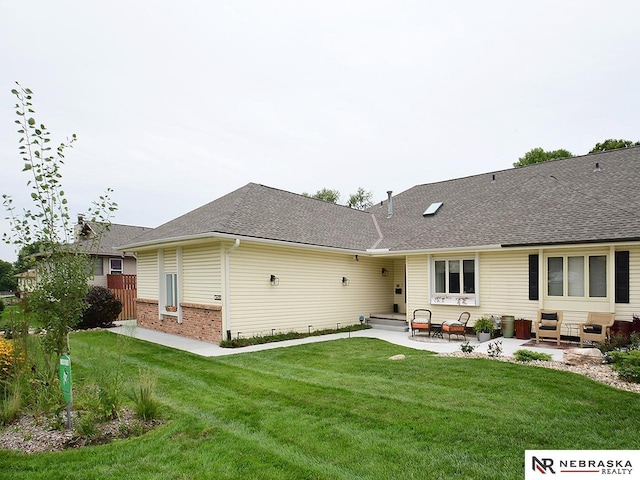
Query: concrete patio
x=509, y=345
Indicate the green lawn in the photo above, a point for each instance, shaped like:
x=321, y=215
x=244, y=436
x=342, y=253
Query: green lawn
x=8, y=310
x=338, y=409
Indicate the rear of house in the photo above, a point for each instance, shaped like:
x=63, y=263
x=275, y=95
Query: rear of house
x=562, y=235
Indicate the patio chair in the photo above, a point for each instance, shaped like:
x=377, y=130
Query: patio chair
x=457, y=327
x=597, y=328
x=421, y=321
x=548, y=325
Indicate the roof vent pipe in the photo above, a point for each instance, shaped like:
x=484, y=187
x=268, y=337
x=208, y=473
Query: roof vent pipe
x=598, y=169
x=389, y=204
x=493, y=178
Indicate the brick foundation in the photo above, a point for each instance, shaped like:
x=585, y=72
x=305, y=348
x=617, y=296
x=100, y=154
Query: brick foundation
x=200, y=322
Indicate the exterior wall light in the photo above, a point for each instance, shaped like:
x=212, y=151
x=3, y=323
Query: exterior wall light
x=274, y=280
x=345, y=281
x=385, y=272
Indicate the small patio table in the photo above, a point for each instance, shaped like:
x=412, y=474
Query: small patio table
x=571, y=327
x=437, y=330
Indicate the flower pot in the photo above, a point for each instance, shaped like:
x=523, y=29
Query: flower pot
x=523, y=329
x=484, y=336
x=507, y=326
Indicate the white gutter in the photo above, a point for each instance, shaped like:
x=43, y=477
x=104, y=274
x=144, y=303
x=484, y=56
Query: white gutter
x=227, y=307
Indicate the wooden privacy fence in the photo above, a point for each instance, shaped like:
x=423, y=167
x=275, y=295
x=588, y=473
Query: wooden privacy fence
x=125, y=289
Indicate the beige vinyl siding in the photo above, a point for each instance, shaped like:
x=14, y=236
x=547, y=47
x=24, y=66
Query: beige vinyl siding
x=201, y=275
x=504, y=284
x=147, y=268
x=309, y=289
x=625, y=311
x=170, y=260
x=417, y=283
x=399, y=282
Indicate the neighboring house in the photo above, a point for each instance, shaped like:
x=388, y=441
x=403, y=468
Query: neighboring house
x=112, y=268
x=560, y=235
x=26, y=281
x=107, y=259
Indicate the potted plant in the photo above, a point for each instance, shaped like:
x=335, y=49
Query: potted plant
x=483, y=328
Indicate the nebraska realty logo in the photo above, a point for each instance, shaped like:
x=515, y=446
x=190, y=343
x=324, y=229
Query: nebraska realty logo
x=581, y=464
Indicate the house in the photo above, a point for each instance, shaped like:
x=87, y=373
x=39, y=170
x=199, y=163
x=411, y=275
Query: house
x=112, y=268
x=107, y=259
x=562, y=235
x=26, y=281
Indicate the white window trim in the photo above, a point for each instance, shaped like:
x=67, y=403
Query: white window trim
x=462, y=299
x=120, y=271
x=565, y=275
x=162, y=285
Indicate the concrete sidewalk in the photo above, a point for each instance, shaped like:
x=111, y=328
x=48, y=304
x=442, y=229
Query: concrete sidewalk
x=205, y=349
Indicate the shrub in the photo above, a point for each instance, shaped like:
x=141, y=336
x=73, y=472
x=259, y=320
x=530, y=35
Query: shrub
x=102, y=309
x=1, y=306
x=466, y=347
x=627, y=364
x=530, y=355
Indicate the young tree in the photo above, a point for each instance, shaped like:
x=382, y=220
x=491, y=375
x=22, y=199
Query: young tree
x=360, y=200
x=63, y=270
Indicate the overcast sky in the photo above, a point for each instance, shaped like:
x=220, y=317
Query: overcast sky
x=178, y=103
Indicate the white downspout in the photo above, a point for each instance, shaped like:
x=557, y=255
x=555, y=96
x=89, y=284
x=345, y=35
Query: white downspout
x=227, y=308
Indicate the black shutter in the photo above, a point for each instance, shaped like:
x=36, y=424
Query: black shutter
x=533, y=277
x=622, y=277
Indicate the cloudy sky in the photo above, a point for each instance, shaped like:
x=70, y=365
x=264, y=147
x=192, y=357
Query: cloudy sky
x=177, y=103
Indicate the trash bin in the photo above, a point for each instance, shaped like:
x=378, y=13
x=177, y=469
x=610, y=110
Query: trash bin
x=507, y=326
x=523, y=329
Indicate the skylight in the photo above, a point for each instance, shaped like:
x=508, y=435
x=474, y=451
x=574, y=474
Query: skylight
x=433, y=208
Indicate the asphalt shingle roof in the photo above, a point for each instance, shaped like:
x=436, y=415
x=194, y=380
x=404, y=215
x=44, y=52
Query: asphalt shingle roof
x=263, y=212
x=561, y=201
x=111, y=239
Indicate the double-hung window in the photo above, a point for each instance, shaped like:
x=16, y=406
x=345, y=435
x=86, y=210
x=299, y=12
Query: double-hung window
x=577, y=276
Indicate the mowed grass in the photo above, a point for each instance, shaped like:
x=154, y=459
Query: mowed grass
x=338, y=410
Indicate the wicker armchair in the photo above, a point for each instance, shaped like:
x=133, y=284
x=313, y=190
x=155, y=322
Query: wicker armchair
x=457, y=327
x=548, y=325
x=597, y=328
x=421, y=321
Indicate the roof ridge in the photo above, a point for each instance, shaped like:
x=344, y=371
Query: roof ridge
x=554, y=160
x=239, y=202
x=310, y=197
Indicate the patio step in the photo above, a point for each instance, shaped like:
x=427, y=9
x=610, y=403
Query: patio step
x=395, y=322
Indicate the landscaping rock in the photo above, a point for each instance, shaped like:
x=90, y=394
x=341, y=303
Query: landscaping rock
x=582, y=356
x=397, y=357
